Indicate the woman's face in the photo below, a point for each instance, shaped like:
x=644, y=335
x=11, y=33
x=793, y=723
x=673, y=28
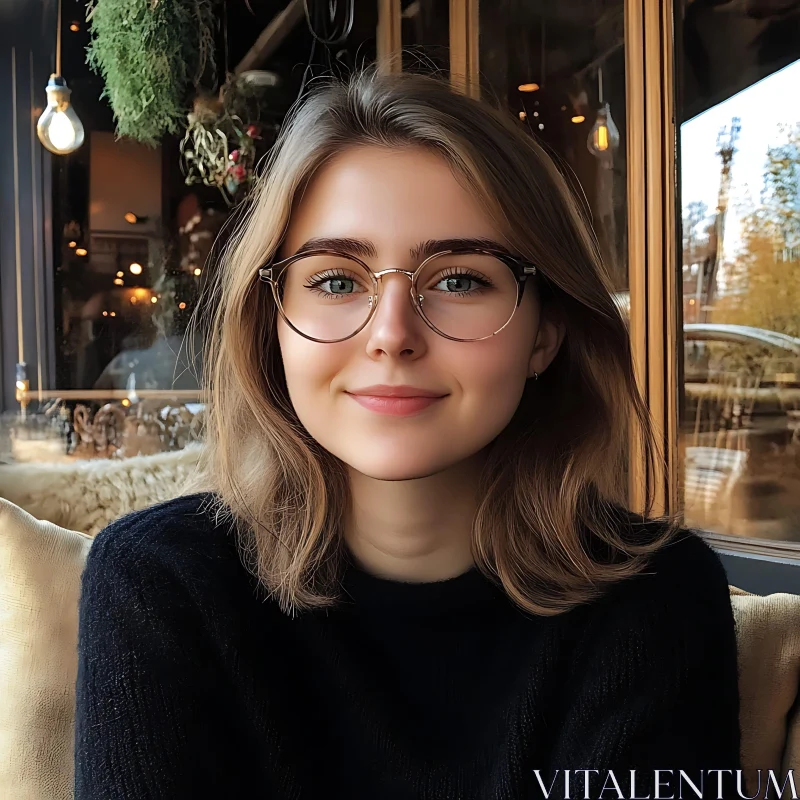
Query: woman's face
x=396, y=200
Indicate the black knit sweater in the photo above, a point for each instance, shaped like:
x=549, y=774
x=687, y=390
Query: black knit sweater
x=190, y=685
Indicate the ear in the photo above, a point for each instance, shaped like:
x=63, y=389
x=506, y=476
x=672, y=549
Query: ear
x=548, y=341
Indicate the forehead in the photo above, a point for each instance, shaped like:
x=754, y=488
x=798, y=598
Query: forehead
x=389, y=196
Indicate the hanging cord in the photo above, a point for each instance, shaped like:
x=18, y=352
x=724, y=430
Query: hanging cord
x=58, y=41
x=322, y=25
x=600, y=85
x=332, y=40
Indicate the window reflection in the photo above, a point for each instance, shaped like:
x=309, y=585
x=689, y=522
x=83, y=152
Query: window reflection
x=560, y=70
x=740, y=197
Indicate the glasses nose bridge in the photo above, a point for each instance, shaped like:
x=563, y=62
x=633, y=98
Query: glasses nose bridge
x=379, y=280
x=407, y=272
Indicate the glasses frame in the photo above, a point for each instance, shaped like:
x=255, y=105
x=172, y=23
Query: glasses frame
x=520, y=268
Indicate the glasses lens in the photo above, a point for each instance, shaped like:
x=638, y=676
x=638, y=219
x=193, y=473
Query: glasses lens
x=467, y=296
x=326, y=297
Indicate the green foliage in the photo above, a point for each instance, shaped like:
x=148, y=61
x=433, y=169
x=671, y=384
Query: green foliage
x=150, y=53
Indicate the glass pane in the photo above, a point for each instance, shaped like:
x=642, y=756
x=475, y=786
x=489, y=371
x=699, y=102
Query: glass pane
x=123, y=289
x=560, y=70
x=740, y=196
x=425, y=34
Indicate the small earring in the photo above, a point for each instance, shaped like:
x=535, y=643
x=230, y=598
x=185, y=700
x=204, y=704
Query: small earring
x=536, y=376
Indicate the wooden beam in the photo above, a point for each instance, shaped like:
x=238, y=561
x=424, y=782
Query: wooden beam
x=272, y=36
x=464, y=47
x=389, y=42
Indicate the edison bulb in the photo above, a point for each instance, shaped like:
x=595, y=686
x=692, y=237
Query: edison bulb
x=604, y=135
x=59, y=128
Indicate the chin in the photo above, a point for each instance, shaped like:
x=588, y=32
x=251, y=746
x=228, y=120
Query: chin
x=398, y=470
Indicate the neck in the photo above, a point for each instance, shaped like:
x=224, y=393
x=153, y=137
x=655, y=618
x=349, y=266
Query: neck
x=418, y=529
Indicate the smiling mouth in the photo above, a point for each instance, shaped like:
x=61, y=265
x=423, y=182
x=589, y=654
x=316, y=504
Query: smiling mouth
x=395, y=406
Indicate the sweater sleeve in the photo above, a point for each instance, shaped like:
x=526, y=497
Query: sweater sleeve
x=656, y=683
x=149, y=719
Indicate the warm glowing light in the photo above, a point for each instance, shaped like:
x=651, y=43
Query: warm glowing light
x=604, y=135
x=105, y=313
x=523, y=115
x=119, y=281
x=153, y=299
x=59, y=128
x=181, y=305
x=125, y=402
x=81, y=251
x=74, y=27
x=197, y=271
x=20, y=384
x=528, y=87
x=134, y=300
x=691, y=302
x=73, y=244
x=131, y=217
x=120, y=274
x=61, y=131
x=141, y=293
x=578, y=118
x=136, y=269
x=113, y=313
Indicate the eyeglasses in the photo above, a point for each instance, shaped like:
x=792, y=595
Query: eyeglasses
x=463, y=295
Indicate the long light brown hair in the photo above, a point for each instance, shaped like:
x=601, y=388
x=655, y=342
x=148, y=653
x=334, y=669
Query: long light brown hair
x=550, y=527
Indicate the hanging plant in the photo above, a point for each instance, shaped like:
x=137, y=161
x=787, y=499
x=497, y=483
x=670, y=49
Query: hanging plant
x=219, y=148
x=151, y=54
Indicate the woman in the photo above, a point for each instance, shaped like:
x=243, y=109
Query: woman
x=411, y=574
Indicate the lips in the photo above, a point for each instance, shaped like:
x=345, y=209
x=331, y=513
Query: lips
x=384, y=390
x=395, y=406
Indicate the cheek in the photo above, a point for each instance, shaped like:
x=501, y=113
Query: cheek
x=493, y=379
x=310, y=368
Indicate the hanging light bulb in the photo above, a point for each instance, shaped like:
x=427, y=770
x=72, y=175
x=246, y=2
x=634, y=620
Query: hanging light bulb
x=59, y=128
x=604, y=135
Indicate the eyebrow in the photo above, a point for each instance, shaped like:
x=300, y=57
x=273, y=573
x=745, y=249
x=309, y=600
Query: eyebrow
x=363, y=248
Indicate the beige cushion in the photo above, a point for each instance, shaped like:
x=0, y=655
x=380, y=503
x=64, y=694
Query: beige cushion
x=40, y=569
x=768, y=638
x=88, y=495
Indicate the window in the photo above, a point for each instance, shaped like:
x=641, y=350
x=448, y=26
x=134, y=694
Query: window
x=560, y=70
x=739, y=150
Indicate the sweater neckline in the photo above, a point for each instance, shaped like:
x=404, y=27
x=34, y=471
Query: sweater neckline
x=469, y=592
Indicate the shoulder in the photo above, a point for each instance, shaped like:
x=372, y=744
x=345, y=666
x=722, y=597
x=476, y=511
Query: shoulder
x=684, y=561
x=688, y=565
x=683, y=586
x=184, y=536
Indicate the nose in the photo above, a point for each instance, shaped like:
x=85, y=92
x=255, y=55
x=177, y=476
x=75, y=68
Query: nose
x=395, y=326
